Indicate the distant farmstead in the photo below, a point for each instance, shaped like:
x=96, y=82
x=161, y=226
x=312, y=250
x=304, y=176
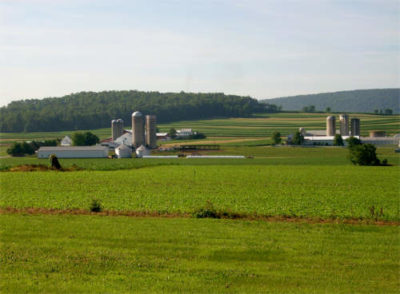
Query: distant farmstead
x=74, y=152
x=66, y=141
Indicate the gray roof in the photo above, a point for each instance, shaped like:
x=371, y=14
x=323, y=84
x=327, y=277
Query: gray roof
x=74, y=148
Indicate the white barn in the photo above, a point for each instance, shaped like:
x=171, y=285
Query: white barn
x=74, y=152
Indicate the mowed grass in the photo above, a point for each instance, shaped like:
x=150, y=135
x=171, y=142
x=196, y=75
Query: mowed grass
x=91, y=254
x=319, y=191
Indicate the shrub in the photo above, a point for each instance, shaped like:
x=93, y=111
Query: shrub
x=298, y=139
x=54, y=162
x=84, y=139
x=338, y=140
x=276, y=138
x=208, y=211
x=95, y=206
x=352, y=141
x=20, y=149
x=364, y=154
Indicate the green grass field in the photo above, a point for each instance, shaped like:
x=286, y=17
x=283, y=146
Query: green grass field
x=91, y=254
x=340, y=233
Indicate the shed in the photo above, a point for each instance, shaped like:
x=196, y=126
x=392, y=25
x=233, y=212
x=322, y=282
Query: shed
x=74, y=152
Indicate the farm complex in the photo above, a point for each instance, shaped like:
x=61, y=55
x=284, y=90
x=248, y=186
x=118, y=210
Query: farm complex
x=231, y=212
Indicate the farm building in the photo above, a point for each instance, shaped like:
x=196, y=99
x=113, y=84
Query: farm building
x=163, y=136
x=123, y=151
x=74, y=152
x=183, y=133
x=66, y=141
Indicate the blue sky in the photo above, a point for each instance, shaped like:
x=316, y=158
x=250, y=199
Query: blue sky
x=264, y=49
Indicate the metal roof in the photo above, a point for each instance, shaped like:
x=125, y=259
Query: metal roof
x=73, y=148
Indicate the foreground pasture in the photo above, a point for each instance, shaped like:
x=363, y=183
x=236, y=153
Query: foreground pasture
x=314, y=191
x=92, y=254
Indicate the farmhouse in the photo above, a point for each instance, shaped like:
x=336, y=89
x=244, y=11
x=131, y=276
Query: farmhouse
x=66, y=141
x=74, y=152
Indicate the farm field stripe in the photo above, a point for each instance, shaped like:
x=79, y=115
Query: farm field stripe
x=157, y=214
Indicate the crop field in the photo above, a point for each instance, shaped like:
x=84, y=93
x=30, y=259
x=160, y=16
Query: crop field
x=283, y=220
x=298, y=191
x=259, y=126
x=94, y=254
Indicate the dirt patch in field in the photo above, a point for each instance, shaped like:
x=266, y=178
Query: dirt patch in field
x=39, y=167
x=236, y=216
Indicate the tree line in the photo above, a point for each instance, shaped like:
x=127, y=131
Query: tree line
x=92, y=110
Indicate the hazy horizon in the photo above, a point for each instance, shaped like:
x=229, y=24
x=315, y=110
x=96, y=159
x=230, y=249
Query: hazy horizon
x=263, y=49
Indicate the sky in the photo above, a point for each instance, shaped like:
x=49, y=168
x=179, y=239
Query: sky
x=264, y=49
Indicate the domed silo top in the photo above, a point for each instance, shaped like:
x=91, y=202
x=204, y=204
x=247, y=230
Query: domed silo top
x=137, y=114
x=113, y=121
x=120, y=120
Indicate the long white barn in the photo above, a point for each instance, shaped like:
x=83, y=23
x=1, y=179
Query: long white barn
x=74, y=152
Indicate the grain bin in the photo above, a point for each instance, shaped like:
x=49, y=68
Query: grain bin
x=137, y=129
x=151, y=132
x=355, y=127
x=344, y=124
x=123, y=151
x=330, y=126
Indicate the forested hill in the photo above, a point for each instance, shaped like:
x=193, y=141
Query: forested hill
x=91, y=110
x=347, y=101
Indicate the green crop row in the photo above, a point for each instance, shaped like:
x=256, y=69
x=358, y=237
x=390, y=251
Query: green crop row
x=301, y=191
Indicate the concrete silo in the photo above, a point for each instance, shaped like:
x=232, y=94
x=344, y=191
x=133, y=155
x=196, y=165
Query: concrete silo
x=137, y=129
x=151, y=135
x=330, y=126
x=344, y=124
x=355, y=126
x=114, y=127
x=120, y=127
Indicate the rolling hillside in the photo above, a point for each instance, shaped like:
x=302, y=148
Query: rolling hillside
x=347, y=101
x=93, y=110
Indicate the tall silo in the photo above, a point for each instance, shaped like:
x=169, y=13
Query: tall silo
x=151, y=135
x=137, y=129
x=120, y=127
x=355, y=126
x=114, y=129
x=330, y=126
x=344, y=124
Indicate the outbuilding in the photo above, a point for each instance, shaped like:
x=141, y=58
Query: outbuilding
x=74, y=152
x=123, y=151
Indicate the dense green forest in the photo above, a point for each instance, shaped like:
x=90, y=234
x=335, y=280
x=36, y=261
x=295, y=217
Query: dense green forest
x=367, y=101
x=91, y=110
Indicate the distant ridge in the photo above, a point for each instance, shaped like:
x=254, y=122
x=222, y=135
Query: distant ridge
x=346, y=101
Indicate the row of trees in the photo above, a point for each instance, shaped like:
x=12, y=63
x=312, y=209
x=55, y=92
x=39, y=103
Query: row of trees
x=91, y=110
x=21, y=149
x=386, y=111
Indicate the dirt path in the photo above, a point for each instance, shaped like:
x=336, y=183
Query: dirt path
x=51, y=211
